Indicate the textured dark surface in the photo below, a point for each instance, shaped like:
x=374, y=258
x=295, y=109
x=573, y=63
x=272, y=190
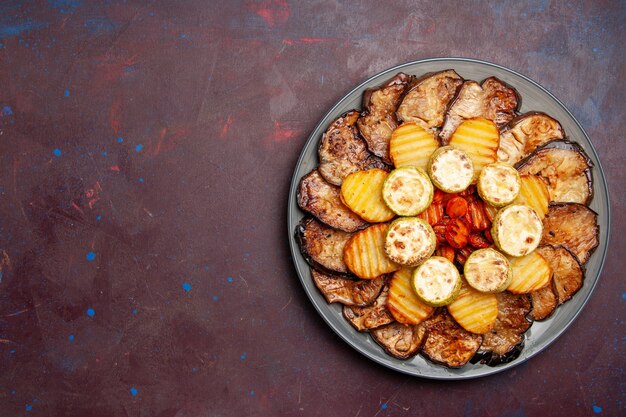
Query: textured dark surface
x=146, y=153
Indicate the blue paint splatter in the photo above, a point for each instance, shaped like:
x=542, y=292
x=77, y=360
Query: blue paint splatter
x=70, y=338
x=64, y=6
x=91, y=312
x=383, y=406
x=187, y=287
x=215, y=298
x=194, y=369
x=16, y=30
x=597, y=409
x=141, y=180
x=242, y=356
x=7, y=111
x=90, y=256
x=135, y=312
x=133, y=391
x=104, y=153
x=98, y=218
x=67, y=92
x=57, y=152
x=99, y=24
x=120, y=139
x=230, y=279
x=138, y=148
x=624, y=296
x=29, y=407
x=152, y=14
x=252, y=393
x=184, y=36
x=13, y=392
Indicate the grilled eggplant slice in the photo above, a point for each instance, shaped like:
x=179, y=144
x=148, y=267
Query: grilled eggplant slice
x=526, y=133
x=322, y=246
x=492, y=99
x=343, y=152
x=347, y=291
x=378, y=120
x=503, y=343
x=399, y=340
x=372, y=316
x=544, y=302
x=568, y=273
x=566, y=169
x=574, y=226
x=323, y=201
x=447, y=343
x=428, y=97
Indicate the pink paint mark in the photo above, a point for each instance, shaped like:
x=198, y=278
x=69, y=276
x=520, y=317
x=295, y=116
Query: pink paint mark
x=315, y=40
x=93, y=194
x=282, y=133
x=75, y=206
x=169, y=139
x=115, y=168
x=273, y=12
x=115, y=114
x=226, y=127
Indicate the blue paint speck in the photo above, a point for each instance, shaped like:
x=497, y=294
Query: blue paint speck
x=133, y=391
x=243, y=356
x=57, y=152
x=194, y=369
x=7, y=111
x=383, y=406
x=624, y=296
x=597, y=409
x=252, y=393
x=120, y=139
x=187, y=287
x=215, y=298
x=141, y=180
x=28, y=407
x=135, y=312
x=13, y=392
x=230, y=279
x=15, y=30
x=67, y=92
x=64, y=6
x=98, y=218
x=90, y=256
x=70, y=338
x=184, y=36
x=91, y=312
x=138, y=148
x=12, y=351
x=104, y=153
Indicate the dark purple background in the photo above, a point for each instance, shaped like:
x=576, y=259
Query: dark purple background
x=160, y=137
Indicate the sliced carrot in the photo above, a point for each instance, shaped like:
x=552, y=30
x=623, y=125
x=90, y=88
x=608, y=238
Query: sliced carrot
x=456, y=207
x=457, y=233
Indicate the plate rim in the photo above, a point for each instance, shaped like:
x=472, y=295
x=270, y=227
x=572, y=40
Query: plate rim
x=294, y=249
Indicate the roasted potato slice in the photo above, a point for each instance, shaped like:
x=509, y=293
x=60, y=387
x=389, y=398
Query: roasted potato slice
x=323, y=201
x=342, y=151
x=372, y=316
x=378, y=120
x=447, y=343
x=568, y=273
x=492, y=99
x=362, y=192
x=544, y=302
x=412, y=145
x=321, y=245
x=503, y=343
x=364, y=254
x=427, y=99
x=530, y=273
x=479, y=138
x=566, y=169
x=475, y=311
x=347, y=291
x=534, y=193
x=574, y=226
x=399, y=340
x=526, y=133
x=403, y=304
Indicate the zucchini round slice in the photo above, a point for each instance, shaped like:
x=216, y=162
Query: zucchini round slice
x=499, y=184
x=408, y=191
x=516, y=230
x=409, y=241
x=487, y=270
x=451, y=169
x=437, y=281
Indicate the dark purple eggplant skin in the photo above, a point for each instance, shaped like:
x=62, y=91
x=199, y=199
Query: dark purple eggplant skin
x=567, y=145
x=299, y=235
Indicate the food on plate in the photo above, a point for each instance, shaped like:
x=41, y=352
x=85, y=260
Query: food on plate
x=516, y=230
x=378, y=120
x=437, y=281
x=566, y=169
x=479, y=138
x=427, y=99
x=322, y=246
x=526, y=133
x=407, y=191
x=475, y=311
x=364, y=254
x=371, y=316
x=444, y=221
x=487, y=270
x=451, y=169
x=574, y=226
x=342, y=151
x=400, y=340
x=529, y=273
x=362, y=192
x=492, y=99
x=403, y=303
x=323, y=200
x=409, y=241
x=412, y=145
x=346, y=290
x=498, y=184
x=568, y=273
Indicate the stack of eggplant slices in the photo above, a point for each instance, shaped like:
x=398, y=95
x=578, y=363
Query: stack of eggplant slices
x=446, y=222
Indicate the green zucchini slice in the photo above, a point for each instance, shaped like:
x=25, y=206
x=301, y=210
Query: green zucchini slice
x=437, y=281
x=451, y=169
x=409, y=241
x=516, y=230
x=408, y=191
x=499, y=184
x=487, y=270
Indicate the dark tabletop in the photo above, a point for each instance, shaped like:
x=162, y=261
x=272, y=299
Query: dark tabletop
x=147, y=150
